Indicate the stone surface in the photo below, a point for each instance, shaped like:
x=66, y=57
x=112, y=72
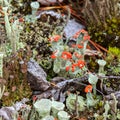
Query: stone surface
x=72, y=27
x=7, y=113
x=48, y=2
x=37, y=77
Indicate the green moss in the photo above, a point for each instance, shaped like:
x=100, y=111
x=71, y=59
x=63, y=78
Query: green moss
x=106, y=35
x=115, y=51
x=15, y=74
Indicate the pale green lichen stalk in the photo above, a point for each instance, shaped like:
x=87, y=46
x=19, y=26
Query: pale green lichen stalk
x=101, y=63
x=16, y=29
x=34, y=6
x=1, y=64
x=13, y=34
x=107, y=108
x=7, y=23
x=32, y=18
x=114, y=103
x=101, y=71
x=93, y=79
x=2, y=86
x=90, y=101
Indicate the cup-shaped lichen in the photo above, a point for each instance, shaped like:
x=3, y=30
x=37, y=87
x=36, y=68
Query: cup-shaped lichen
x=56, y=107
x=70, y=103
x=93, y=79
x=43, y=107
x=1, y=64
x=90, y=100
x=101, y=63
x=34, y=6
x=62, y=115
x=48, y=118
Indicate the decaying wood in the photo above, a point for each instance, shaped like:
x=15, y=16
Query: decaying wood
x=59, y=87
x=58, y=91
x=99, y=10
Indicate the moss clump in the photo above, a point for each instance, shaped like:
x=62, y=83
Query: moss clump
x=15, y=74
x=106, y=35
x=113, y=61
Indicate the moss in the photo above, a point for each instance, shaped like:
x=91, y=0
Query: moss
x=106, y=35
x=114, y=51
x=15, y=73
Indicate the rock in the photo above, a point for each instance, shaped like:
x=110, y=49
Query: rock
x=108, y=90
x=58, y=79
x=51, y=13
x=72, y=27
x=8, y=113
x=37, y=77
x=48, y=2
x=59, y=88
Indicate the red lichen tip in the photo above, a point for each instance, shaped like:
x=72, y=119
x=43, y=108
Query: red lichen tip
x=66, y=55
x=55, y=38
x=88, y=88
x=81, y=63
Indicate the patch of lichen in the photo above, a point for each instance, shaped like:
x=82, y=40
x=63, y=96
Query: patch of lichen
x=21, y=6
x=15, y=74
x=36, y=36
x=106, y=34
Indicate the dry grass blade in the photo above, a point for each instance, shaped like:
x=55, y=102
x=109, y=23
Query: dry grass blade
x=53, y=7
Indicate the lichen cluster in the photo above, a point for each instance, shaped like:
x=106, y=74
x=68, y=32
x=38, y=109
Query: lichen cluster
x=36, y=36
x=21, y=6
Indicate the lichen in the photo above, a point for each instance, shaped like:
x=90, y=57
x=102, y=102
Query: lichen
x=70, y=103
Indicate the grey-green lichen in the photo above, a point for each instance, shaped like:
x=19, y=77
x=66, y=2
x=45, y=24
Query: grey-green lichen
x=71, y=101
x=37, y=34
